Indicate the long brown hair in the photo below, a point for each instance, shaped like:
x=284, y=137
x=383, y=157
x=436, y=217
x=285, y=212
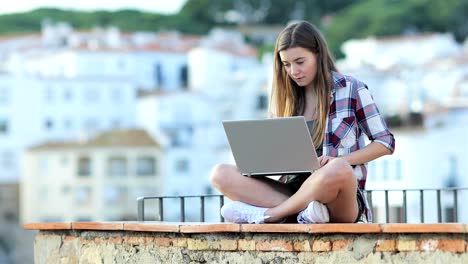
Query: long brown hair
x=287, y=98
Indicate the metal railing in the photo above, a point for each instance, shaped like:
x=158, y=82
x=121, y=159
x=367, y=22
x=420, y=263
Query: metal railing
x=395, y=205
x=182, y=202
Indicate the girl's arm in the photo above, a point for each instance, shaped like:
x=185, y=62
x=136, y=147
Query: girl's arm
x=373, y=125
x=370, y=152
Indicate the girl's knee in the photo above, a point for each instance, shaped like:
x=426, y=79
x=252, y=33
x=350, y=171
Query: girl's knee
x=342, y=169
x=337, y=171
x=219, y=174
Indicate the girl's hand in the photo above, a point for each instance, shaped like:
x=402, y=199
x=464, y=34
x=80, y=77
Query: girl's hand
x=323, y=160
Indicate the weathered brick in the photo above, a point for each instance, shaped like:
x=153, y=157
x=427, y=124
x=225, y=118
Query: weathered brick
x=407, y=245
x=85, y=241
x=69, y=238
x=97, y=240
x=223, y=244
x=149, y=240
x=228, y=244
x=162, y=241
x=244, y=244
x=197, y=244
x=274, y=245
x=134, y=240
x=302, y=246
x=321, y=246
x=115, y=240
x=385, y=245
x=341, y=244
x=179, y=242
x=452, y=245
x=428, y=245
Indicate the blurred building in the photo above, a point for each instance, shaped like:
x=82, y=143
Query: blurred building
x=9, y=201
x=226, y=81
x=64, y=84
x=421, y=75
x=96, y=179
x=68, y=86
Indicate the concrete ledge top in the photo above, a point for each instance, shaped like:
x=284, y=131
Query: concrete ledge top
x=195, y=227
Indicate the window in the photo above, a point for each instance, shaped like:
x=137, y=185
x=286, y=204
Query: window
x=117, y=166
x=115, y=195
x=7, y=160
x=121, y=64
x=67, y=124
x=184, y=76
x=4, y=126
x=116, y=95
x=208, y=190
x=182, y=165
x=84, y=166
x=83, y=195
x=67, y=94
x=91, y=124
x=64, y=161
x=158, y=74
x=91, y=95
x=49, y=95
x=116, y=123
x=10, y=216
x=146, y=166
x=48, y=124
x=180, y=136
x=66, y=189
x=43, y=164
x=262, y=102
x=4, y=95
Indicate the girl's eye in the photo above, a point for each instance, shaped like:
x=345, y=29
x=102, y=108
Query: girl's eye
x=300, y=62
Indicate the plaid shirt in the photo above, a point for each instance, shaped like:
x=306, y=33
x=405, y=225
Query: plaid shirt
x=353, y=114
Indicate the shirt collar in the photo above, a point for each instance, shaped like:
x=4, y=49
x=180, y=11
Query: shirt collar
x=339, y=81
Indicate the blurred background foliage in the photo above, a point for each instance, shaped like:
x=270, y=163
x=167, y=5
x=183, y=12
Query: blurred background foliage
x=339, y=19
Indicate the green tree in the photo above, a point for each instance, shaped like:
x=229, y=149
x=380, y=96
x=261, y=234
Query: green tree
x=395, y=17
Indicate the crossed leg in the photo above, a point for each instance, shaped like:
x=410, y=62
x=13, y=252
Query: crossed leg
x=333, y=185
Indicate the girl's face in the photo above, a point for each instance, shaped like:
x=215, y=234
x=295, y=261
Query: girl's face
x=300, y=64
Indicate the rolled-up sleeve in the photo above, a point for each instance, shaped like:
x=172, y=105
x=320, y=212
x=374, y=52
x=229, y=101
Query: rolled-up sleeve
x=369, y=118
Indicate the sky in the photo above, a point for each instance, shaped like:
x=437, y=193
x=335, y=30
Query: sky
x=154, y=6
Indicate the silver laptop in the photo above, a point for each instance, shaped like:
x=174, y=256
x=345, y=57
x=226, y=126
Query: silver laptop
x=273, y=146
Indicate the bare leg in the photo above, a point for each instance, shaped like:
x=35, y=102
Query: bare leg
x=334, y=185
x=228, y=180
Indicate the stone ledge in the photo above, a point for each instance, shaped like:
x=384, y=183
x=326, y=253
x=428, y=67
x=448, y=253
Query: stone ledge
x=265, y=242
x=425, y=228
x=157, y=242
x=194, y=227
x=47, y=226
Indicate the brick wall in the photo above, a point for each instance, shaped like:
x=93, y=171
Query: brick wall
x=231, y=243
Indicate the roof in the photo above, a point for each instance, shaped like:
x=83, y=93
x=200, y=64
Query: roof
x=113, y=138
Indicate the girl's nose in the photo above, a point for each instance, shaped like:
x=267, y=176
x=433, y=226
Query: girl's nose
x=294, y=70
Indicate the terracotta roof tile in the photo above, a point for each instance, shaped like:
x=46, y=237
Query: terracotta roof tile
x=114, y=138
